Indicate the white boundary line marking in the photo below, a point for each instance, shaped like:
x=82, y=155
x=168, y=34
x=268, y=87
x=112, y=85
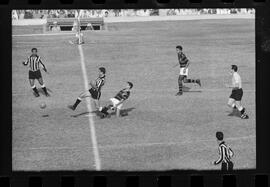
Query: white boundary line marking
x=119, y=146
x=91, y=121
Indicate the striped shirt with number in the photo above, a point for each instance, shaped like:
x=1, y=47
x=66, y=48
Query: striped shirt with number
x=34, y=62
x=225, y=153
x=100, y=81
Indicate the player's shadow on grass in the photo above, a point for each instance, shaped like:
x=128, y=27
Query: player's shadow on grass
x=233, y=113
x=40, y=90
x=124, y=112
x=187, y=89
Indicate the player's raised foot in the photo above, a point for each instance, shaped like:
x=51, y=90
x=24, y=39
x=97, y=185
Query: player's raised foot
x=71, y=107
x=179, y=93
x=47, y=94
x=198, y=81
x=36, y=94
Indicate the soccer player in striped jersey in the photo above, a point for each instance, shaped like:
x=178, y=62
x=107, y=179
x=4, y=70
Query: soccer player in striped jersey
x=94, y=92
x=184, y=64
x=225, y=154
x=116, y=102
x=237, y=93
x=34, y=61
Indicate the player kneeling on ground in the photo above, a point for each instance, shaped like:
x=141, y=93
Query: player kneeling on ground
x=117, y=101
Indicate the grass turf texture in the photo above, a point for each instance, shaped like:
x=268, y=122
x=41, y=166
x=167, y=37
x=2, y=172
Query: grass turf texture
x=161, y=131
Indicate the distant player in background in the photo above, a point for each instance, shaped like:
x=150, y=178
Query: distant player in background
x=184, y=64
x=225, y=154
x=116, y=102
x=94, y=92
x=34, y=61
x=237, y=92
x=79, y=35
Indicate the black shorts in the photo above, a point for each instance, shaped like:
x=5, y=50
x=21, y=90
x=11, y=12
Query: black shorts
x=237, y=94
x=94, y=93
x=35, y=74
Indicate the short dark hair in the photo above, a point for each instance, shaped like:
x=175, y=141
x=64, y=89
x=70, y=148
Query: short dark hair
x=179, y=47
x=130, y=84
x=34, y=49
x=219, y=135
x=235, y=68
x=102, y=69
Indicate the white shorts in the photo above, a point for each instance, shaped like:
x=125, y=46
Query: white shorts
x=115, y=102
x=182, y=71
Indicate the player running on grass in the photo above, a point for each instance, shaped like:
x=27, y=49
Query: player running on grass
x=94, y=92
x=34, y=62
x=116, y=103
x=237, y=92
x=184, y=63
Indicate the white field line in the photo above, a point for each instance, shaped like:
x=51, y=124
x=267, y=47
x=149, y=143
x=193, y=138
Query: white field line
x=121, y=146
x=89, y=108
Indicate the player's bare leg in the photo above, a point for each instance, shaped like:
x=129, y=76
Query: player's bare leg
x=40, y=80
x=118, y=112
x=33, y=86
x=97, y=104
x=79, y=99
x=231, y=103
x=241, y=109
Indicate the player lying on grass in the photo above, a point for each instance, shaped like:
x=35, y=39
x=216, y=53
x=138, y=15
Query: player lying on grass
x=94, y=92
x=34, y=62
x=237, y=92
x=225, y=154
x=116, y=103
x=184, y=63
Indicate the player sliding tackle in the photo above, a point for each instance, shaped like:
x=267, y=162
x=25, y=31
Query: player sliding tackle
x=237, y=92
x=116, y=103
x=94, y=92
x=184, y=63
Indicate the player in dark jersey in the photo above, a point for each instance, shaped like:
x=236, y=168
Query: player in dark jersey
x=116, y=102
x=94, y=92
x=34, y=61
x=184, y=63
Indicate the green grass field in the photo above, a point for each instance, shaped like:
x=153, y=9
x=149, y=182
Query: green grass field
x=162, y=131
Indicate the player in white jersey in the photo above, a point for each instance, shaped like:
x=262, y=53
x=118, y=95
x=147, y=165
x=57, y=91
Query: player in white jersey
x=237, y=92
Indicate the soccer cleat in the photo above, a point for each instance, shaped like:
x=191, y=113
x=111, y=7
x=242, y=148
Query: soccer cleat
x=47, y=94
x=198, y=81
x=179, y=93
x=244, y=116
x=36, y=94
x=71, y=107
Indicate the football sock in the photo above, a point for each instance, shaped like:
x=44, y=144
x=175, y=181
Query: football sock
x=35, y=89
x=241, y=109
x=104, y=110
x=44, y=88
x=180, y=84
x=234, y=106
x=190, y=81
x=77, y=102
